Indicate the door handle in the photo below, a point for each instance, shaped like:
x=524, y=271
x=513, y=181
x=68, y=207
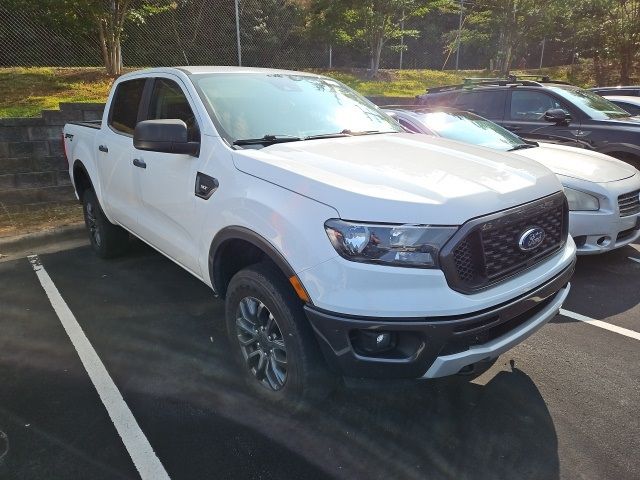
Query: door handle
x=513, y=128
x=103, y=148
x=139, y=163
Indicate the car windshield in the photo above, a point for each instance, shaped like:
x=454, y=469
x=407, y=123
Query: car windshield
x=469, y=128
x=287, y=106
x=597, y=107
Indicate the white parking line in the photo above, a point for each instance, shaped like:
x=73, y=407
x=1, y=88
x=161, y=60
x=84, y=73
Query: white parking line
x=637, y=260
x=599, y=323
x=143, y=456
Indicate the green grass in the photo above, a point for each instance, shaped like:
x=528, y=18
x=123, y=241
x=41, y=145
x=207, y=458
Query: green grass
x=398, y=83
x=24, y=92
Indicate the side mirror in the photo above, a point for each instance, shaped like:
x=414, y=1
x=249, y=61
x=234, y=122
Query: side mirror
x=557, y=116
x=167, y=136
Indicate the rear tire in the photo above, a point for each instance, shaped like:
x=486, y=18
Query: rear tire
x=272, y=339
x=108, y=240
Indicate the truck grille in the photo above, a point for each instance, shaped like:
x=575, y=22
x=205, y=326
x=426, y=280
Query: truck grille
x=629, y=203
x=486, y=250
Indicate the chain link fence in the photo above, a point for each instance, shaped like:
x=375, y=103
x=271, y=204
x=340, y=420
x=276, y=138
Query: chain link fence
x=272, y=33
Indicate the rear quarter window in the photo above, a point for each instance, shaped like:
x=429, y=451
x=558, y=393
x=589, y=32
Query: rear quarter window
x=488, y=104
x=125, y=104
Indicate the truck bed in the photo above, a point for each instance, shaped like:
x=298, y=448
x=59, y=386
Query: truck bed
x=95, y=124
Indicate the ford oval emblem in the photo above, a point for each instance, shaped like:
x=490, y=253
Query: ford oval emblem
x=531, y=239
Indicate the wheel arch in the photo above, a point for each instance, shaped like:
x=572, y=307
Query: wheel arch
x=236, y=247
x=81, y=179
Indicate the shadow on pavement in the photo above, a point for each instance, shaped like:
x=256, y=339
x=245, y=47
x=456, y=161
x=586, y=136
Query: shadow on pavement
x=593, y=292
x=160, y=333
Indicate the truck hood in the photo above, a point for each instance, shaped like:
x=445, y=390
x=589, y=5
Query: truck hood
x=401, y=178
x=579, y=163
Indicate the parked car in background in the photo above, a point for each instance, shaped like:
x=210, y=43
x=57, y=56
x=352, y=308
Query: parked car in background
x=627, y=103
x=546, y=111
x=630, y=91
x=340, y=244
x=603, y=193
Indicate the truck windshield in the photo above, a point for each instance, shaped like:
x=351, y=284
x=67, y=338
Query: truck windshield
x=252, y=106
x=469, y=128
x=595, y=106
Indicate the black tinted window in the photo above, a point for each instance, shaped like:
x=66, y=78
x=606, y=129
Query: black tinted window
x=124, y=108
x=169, y=102
x=632, y=109
x=408, y=126
x=488, y=104
x=532, y=105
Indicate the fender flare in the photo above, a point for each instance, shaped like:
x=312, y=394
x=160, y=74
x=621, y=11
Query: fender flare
x=77, y=164
x=242, y=233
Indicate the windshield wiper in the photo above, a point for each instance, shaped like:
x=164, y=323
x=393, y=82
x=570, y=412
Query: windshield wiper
x=343, y=133
x=268, y=139
x=522, y=147
x=348, y=133
x=368, y=132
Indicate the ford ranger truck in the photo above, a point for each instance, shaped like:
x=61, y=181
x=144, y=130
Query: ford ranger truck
x=340, y=245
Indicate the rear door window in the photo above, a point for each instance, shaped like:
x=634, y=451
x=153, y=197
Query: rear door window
x=125, y=104
x=488, y=104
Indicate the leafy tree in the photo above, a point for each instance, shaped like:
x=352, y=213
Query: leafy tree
x=370, y=23
x=506, y=25
x=608, y=31
x=104, y=19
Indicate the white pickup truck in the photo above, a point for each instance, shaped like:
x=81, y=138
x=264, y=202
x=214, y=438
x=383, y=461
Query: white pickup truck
x=341, y=245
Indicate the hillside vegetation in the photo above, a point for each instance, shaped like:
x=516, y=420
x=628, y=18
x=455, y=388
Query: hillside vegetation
x=24, y=92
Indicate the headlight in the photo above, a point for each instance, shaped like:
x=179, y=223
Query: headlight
x=580, y=200
x=398, y=245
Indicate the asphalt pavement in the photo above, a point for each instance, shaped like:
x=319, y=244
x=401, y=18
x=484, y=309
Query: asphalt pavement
x=563, y=404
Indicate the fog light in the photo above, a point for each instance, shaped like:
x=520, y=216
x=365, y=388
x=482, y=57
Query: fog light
x=373, y=341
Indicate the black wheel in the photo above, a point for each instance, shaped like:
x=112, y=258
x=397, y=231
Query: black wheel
x=276, y=349
x=108, y=240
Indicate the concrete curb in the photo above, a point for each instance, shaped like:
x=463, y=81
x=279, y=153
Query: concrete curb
x=29, y=241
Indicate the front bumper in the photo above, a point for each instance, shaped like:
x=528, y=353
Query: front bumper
x=438, y=346
x=603, y=230
x=599, y=232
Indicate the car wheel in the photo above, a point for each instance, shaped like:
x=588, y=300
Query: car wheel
x=108, y=240
x=275, y=347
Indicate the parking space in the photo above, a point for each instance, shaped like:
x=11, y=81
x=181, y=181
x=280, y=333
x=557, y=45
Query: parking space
x=564, y=404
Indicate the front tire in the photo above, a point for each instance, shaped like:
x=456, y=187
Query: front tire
x=108, y=240
x=274, y=344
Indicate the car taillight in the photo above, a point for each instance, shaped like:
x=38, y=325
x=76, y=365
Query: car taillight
x=64, y=147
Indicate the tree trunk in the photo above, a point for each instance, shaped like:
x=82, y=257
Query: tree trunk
x=506, y=62
x=110, y=27
x=626, y=60
x=598, y=70
x=103, y=47
x=375, y=57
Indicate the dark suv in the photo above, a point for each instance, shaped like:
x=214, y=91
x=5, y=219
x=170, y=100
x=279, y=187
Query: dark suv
x=547, y=111
x=629, y=91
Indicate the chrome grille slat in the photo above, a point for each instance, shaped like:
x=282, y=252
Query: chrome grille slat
x=629, y=203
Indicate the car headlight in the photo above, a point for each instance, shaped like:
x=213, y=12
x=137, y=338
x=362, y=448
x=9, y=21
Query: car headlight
x=398, y=245
x=581, y=201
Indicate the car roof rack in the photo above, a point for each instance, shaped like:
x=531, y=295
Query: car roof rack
x=511, y=80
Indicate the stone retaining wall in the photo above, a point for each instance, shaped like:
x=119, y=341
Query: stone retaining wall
x=33, y=169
